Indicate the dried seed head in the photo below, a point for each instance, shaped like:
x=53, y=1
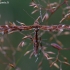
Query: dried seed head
x=54, y=64
x=59, y=43
x=27, y=52
x=18, y=68
x=66, y=63
x=29, y=36
x=0, y=15
x=2, y=51
x=67, y=8
x=44, y=48
x=12, y=65
x=49, y=52
x=45, y=17
x=31, y=55
x=34, y=11
x=52, y=4
x=50, y=58
x=20, y=23
x=45, y=54
x=66, y=33
x=21, y=44
x=40, y=68
x=33, y=4
x=12, y=24
x=40, y=63
x=1, y=39
x=65, y=59
x=67, y=16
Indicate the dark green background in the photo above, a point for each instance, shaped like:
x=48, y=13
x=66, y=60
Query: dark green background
x=14, y=11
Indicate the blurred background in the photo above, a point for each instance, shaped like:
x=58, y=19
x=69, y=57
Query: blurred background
x=19, y=10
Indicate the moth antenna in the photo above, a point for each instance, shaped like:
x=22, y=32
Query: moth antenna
x=40, y=11
x=28, y=14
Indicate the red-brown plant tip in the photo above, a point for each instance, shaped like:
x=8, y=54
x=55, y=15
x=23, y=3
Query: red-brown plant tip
x=56, y=46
